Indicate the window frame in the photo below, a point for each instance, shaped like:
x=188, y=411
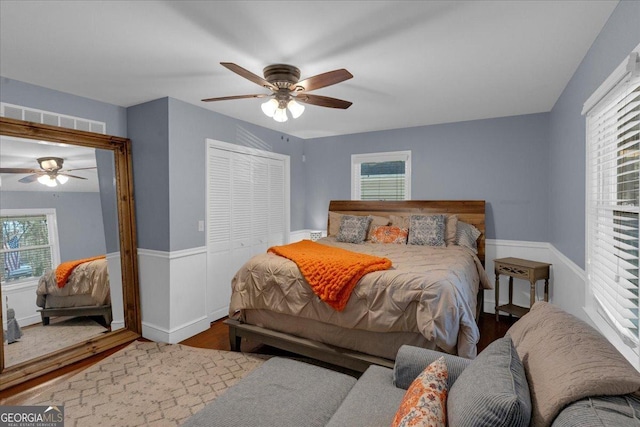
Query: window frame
x=390, y=156
x=54, y=243
x=595, y=312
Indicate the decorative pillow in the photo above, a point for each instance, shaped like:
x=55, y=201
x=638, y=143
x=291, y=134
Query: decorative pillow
x=467, y=235
x=451, y=226
x=353, y=229
x=335, y=218
x=492, y=390
x=388, y=234
x=376, y=221
x=424, y=403
x=567, y=360
x=426, y=230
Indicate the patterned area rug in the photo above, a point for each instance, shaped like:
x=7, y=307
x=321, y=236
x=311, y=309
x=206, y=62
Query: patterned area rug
x=147, y=384
x=38, y=340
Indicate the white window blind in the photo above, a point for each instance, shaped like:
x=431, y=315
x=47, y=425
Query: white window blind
x=381, y=176
x=613, y=204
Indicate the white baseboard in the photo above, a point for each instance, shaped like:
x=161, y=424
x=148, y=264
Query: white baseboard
x=174, y=336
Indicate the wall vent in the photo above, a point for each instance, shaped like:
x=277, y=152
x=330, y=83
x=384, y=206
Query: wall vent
x=49, y=118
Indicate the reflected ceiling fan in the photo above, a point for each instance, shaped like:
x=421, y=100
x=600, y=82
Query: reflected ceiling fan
x=51, y=172
x=288, y=90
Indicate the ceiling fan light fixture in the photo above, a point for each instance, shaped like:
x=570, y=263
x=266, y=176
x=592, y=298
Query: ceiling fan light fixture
x=295, y=108
x=50, y=163
x=269, y=108
x=280, y=115
x=62, y=179
x=47, y=180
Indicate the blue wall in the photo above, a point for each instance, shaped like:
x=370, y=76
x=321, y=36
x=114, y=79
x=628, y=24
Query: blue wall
x=189, y=126
x=79, y=218
x=42, y=98
x=618, y=38
x=502, y=161
x=148, y=129
x=169, y=151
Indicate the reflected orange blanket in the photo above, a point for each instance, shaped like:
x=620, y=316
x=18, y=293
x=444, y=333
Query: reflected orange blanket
x=331, y=272
x=65, y=269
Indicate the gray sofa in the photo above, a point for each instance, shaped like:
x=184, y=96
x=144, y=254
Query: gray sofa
x=492, y=390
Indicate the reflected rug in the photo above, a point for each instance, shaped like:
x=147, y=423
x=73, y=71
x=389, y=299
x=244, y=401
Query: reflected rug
x=38, y=340
x=147, y=384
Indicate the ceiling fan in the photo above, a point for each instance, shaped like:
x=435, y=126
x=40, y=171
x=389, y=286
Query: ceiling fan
x=51, y=172
x=287, y=90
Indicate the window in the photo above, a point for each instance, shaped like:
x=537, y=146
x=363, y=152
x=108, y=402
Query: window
x=381, y=176
x=613, y=202
x=29, y=243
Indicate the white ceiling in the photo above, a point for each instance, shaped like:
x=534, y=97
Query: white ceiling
x=414, y=62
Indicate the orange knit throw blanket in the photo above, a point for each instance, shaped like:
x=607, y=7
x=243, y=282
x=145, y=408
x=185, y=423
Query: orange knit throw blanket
x=65, y=269
x=331, y=272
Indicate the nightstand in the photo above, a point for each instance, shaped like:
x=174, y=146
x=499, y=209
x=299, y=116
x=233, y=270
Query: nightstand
x=520, y=269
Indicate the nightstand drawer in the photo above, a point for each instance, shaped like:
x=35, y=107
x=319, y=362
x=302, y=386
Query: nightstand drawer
x=513, y=271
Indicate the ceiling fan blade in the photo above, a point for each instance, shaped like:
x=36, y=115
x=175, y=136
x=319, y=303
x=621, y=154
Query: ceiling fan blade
x=71, y=176
x=17, y=170
x=227, y=98
x=322, y=80
x=248, y=75
x=323, y=101
x=29, y=178
x=77, y=169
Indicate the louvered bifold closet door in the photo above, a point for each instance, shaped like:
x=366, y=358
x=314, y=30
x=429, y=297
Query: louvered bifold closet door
x=218, y=231
x=613, y=206
x=277, y=203
x=241, y=210
x=261, y=205
x=246, y=202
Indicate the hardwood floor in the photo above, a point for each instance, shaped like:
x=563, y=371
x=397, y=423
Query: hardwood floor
x=216, y=337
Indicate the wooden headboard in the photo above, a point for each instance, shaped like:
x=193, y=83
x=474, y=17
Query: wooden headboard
x=469, y=211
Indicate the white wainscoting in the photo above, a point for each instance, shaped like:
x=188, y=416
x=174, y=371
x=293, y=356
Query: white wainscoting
x=172, y=293
x=21, y=297
x=567, y=280
x=173, y=285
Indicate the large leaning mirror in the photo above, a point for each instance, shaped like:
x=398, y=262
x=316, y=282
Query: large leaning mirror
x=68, y=264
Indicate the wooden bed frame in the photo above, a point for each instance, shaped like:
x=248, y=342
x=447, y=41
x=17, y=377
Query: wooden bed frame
x=98, y=310
x=469, y=211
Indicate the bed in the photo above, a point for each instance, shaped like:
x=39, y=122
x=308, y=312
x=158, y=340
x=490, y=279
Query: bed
x=431, y=297
x=86, y=292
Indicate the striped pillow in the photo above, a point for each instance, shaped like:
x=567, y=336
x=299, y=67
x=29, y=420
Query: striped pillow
x=492, y=390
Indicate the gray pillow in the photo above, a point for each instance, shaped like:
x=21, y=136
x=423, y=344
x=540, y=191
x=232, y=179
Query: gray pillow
x=353, y=229
x=467, y=235
x=427, y=230
x=492, y=390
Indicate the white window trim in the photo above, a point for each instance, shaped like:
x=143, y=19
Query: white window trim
x=591, y=307
x=391, y=156
x=52, y=229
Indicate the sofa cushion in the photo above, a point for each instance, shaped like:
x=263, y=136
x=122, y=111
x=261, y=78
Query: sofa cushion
x=425, y=402
x=410, y=361
x=602, y=411
x=567, y=360
x=492, y=390
x=281, y=392
x=372, y=402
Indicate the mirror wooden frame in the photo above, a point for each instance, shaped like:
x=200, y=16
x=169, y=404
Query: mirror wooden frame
x=121, y=148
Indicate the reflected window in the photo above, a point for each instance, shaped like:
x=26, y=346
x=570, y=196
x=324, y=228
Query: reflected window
x=29, y=244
